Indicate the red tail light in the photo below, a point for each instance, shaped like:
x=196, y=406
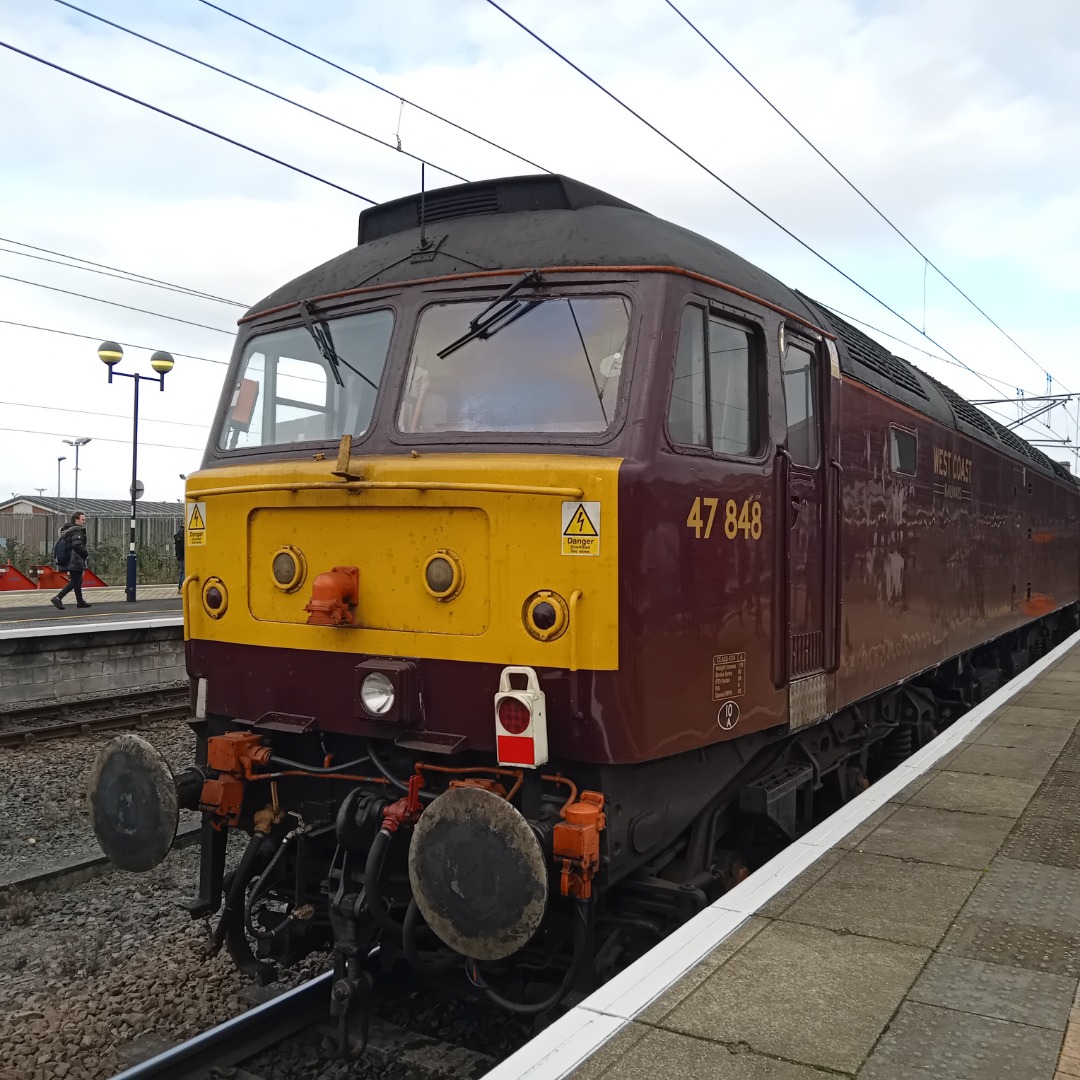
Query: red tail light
x=520, y=719
x=514, y=716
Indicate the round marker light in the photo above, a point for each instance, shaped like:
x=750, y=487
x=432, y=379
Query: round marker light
x=514, y=716
x=546, y=615
x=443, y=575
x=215, y=597
x=284, y=568
x=439, y=575
x=288, y=568
x=377, y=694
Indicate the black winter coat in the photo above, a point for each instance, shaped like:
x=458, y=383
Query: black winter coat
x=76, y=538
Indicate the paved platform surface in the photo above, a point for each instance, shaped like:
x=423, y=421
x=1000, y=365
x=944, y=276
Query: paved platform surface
x=32, y=610
x=939, y=939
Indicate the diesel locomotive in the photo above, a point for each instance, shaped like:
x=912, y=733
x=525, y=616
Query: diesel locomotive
x=548, y=566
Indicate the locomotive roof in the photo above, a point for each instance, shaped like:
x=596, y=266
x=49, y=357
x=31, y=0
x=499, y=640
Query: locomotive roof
x=541, y=221
x=550, y=220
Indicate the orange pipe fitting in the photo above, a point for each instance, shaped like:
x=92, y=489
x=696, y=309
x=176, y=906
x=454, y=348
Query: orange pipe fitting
x=576, y=844
x=334, y=594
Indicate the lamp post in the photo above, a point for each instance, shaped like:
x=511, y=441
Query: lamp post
x=59, y=512
x=110, y=354
x=81, y=441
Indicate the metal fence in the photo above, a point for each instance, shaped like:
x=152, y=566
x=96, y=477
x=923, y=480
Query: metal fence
x=28, y=540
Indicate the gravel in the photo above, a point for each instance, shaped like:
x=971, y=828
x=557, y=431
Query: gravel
x=86, y=970
x=83, y=972
x=43, y=795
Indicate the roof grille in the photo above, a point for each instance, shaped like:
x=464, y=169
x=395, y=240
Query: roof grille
x=510, y=195
x=872, y=355
x=456, y=203
x=1010, y=438
x=964, y=410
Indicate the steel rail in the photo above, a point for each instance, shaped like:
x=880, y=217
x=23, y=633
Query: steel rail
x=23, y=736
x=35, y=709
x=59, y=710
x=74, y=871
x=240, y=1038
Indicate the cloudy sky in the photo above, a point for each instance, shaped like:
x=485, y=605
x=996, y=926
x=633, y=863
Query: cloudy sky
x=955, y=117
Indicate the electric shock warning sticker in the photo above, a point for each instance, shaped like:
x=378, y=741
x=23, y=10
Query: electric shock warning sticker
x=196, y=524
x=581, y=528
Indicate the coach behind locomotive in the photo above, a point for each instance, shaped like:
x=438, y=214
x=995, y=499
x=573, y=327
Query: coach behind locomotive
x=551, y=564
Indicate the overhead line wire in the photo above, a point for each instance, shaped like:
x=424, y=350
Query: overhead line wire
x=261, y=89
x=865, y=198
x=907, y=344
x=105, y=438
x=374, y=85
x=122, y=277
x=130, y=273
x=716, y=176
x=113, y=303
x=189, y=123
x=92, y=412
x=100, y=337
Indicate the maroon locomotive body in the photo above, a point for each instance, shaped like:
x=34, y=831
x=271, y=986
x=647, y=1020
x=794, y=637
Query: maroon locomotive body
x=596, y=565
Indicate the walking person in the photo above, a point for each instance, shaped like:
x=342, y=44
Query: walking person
x=72, y=543
x=178, y=543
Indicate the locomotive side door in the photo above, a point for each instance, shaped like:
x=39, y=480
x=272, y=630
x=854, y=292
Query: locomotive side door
x=810, y=541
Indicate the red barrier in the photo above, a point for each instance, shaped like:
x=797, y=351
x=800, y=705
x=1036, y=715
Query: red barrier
x=48, y=578
x=12, y=579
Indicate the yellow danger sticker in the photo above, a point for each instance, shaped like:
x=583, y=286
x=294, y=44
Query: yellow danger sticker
x=196, y=524
x=581, y=528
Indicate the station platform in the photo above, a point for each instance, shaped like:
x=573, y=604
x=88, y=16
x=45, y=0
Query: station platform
x=31, y=613
x=929, y=929
x=49, y=656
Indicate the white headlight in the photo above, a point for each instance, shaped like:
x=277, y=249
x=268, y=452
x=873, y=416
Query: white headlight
x=377, y=694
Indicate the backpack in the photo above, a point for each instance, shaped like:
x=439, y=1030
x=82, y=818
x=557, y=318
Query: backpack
x=62, y=553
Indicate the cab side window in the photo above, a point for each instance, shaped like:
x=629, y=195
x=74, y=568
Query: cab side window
x=713, y=396
x=800, y=397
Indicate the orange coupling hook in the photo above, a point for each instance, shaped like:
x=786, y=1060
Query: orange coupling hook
x=334, y=594
x=232, y=756
x=405, y=811
x=576, y=844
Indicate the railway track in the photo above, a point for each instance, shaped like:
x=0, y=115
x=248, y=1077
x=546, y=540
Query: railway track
x=245, y=1040
x=35, y=723
x=241, y=1038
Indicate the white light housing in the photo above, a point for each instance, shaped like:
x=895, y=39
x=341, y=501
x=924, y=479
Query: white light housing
x=521, y=720
x=377, y=694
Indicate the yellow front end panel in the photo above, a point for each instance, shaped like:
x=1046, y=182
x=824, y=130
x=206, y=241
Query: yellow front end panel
x=389, y=545
x=515, y=524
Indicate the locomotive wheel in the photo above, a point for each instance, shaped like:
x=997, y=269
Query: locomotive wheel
x=133, y=803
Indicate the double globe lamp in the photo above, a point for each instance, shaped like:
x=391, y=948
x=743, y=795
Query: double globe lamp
x=110, y=354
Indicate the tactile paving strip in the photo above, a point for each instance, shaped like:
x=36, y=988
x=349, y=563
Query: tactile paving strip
x=999, y=942
x=1053, y=840
x=924, y=1040
x=1046, y=832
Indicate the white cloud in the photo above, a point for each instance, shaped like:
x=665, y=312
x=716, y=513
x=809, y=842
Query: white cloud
x=958, y=120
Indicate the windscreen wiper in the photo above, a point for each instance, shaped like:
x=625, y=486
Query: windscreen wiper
x=320, y=333
x=489, y=322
